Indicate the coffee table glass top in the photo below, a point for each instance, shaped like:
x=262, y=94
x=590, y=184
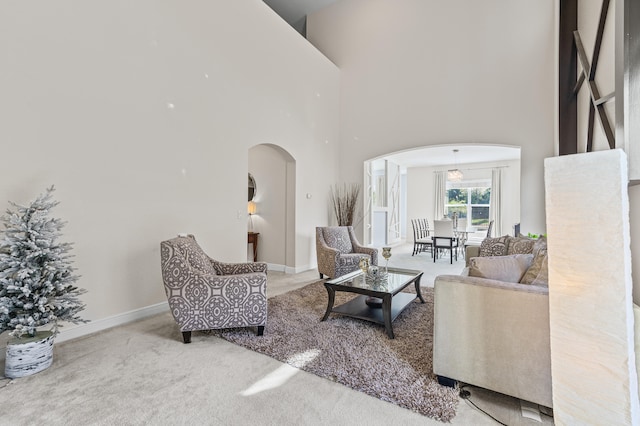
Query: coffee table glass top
x=395, y=280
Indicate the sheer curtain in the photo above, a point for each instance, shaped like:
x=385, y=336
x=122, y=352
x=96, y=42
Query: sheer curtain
x=495, y=203
x=440, y=192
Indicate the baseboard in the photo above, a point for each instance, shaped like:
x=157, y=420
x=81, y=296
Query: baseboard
x=299, y=269
x=276, y=267
x=110, y=322
x=102, y=324
x=288, y=269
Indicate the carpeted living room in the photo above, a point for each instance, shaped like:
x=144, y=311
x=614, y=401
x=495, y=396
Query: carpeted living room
x=147, y=117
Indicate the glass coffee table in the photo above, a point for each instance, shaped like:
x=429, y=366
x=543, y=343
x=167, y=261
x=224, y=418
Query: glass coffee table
x=389, y=290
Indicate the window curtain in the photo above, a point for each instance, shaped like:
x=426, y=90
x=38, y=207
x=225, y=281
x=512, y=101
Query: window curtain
x=495, y=203
x=440, y=192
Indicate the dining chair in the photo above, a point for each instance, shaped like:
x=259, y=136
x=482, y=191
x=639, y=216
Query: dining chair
x=490, y=229
x=421, y=240
x=462, y=233
x=423, y=228
x=444, y=238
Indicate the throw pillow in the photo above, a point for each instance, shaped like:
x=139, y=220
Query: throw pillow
x=520, y=245
x=502, y=268
x=540, y=245
x=538, y=272
x=543, y=277
x=494, y=246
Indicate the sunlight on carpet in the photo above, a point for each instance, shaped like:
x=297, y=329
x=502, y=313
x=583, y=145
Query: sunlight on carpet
x=355, y=353
x=281, y=375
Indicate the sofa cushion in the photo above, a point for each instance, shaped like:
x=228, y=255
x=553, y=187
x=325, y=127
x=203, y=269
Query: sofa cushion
x=538, y=272
x=509, y=268
x=495, y=246
x=520, y=245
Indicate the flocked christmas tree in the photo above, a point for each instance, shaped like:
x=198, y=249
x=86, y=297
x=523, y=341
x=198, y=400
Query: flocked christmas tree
x=36, y=273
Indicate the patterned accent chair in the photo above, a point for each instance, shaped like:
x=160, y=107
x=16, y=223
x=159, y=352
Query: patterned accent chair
x=205, y=294
x=339, y=252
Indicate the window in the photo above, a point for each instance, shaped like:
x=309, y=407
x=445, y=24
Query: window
x=470, y=199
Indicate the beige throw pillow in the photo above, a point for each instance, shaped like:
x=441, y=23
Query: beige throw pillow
x=520, y=245
x=495, y=246
x=540, y=245
x=502, y=268
x=538, y=272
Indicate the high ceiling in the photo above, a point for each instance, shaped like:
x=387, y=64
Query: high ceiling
x=295, y=11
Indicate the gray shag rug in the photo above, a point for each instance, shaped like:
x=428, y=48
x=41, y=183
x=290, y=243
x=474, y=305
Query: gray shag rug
x=353, y=352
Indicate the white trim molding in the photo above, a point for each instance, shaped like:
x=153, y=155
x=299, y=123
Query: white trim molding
x=110, y=322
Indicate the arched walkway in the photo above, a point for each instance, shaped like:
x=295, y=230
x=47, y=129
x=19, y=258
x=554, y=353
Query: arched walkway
x=274, y=171
x=400, y=185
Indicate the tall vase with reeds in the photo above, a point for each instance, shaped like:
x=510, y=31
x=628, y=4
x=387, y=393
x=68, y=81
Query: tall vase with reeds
x=345, y=202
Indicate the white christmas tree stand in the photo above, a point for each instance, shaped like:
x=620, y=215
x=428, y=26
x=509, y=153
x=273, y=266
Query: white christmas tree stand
x=29, y=355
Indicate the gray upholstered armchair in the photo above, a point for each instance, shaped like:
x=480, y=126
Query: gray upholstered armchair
x=339, y=252
x=205, y=294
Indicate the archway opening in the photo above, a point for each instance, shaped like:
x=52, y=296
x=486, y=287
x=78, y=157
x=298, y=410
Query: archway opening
x=273, y=218
x=401, y=186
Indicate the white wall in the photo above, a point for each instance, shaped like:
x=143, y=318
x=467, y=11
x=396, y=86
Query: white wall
x=427, y=72
x=421, y=181
x=142, y=114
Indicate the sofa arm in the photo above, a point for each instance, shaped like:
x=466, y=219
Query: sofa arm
x=223, y=268
x=471, y=251
x=494, y=335
x=485, y=282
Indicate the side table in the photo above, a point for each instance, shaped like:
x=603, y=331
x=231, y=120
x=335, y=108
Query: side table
x=252, y=238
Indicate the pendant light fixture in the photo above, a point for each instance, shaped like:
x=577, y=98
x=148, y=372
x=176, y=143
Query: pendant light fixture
x=455, y=175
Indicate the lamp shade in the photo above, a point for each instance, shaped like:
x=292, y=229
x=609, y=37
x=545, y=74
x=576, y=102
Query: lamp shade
x=251, y=207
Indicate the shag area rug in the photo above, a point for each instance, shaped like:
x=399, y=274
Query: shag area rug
x=353, y=352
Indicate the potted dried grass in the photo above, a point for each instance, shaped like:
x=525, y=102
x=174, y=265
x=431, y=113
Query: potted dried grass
x=345, y=202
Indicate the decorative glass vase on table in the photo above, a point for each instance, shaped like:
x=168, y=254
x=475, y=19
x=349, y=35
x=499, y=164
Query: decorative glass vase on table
x=376, y=276
x=386, y=253
x=364, y=264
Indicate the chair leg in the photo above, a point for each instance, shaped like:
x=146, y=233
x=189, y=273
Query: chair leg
x=446, y=381
x=186, y=336
x=260, y=330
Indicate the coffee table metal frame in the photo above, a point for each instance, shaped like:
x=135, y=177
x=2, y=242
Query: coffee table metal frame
x=393, y=300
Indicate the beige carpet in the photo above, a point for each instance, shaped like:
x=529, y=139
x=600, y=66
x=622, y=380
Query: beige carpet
x=353, y=352
x=142, y=374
